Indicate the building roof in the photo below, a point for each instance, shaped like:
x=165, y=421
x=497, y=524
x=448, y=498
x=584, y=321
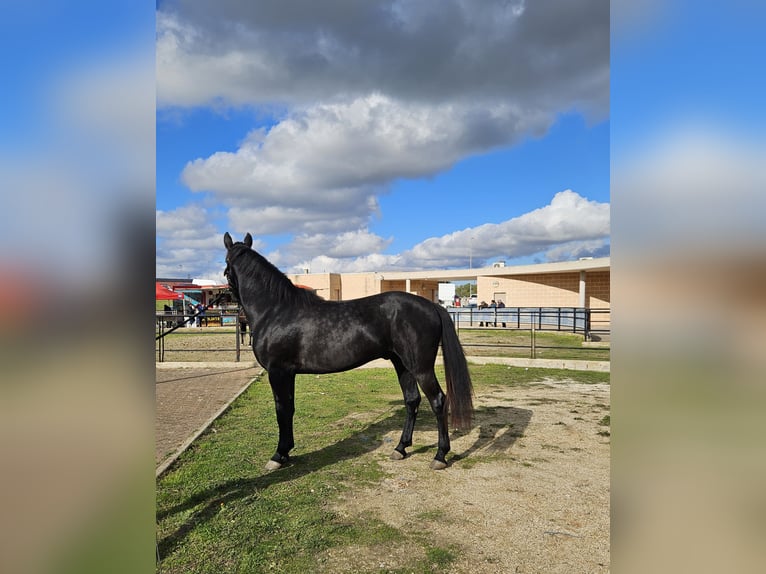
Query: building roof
x=596, y=264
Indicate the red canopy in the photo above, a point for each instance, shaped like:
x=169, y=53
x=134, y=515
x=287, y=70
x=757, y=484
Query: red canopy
x=163, y=293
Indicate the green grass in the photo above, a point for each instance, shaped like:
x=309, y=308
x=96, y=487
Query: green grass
x=517, y=343
x=486, y=375
x=477, y=342
x=219, y=511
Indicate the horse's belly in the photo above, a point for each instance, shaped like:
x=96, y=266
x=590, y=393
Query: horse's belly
x=334, y=362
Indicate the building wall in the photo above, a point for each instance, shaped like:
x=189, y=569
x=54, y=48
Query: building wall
x=597, y=290
x=547, y=290
x=538, y=290
x=326, y=285
x=426, y=288
x=356, y=285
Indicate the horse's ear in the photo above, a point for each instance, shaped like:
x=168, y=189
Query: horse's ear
x=248, y=240
x=227, y=240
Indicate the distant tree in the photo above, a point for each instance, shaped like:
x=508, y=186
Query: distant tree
x=465, y=289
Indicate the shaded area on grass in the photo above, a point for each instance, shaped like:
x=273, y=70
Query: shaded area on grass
x=242, y=488
x=219, y=511
x=362, y=442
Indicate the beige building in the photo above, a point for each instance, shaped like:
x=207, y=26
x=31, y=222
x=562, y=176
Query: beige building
x=583, y=283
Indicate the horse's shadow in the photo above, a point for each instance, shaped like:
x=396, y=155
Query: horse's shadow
x=498, y=429
x=211, y=499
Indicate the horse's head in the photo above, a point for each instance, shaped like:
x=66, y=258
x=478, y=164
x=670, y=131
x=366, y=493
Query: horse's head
x=232, y=250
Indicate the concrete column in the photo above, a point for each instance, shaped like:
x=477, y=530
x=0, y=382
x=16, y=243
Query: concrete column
x=582, y=289
x=407, y=285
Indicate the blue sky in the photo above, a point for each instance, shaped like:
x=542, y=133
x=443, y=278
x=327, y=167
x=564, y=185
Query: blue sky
x=386, y=136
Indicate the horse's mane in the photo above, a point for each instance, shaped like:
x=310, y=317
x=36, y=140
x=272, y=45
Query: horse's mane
x=255, y=272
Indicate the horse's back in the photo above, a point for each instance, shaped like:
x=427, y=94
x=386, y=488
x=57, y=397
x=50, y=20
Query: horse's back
x=331, y=336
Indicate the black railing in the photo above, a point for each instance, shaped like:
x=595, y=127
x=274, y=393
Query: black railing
x=589, y=323
x=166, y=322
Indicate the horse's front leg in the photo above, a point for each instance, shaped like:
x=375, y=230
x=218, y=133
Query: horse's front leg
x=283, y=388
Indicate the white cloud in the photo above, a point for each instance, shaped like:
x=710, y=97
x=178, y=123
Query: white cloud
x=322, y=166
x=571, y=226
x=573, y=250
x=371, y=93
x=352, y=147
x=568, y=217
x=280, y=219
x=351, y=244
x=543, y=53
x=189, y=244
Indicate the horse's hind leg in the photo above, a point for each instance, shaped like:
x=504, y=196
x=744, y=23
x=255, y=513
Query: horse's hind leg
x=438, y=401
x=411, y=401
x=283, y=388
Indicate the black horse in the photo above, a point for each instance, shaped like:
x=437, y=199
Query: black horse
x=295, y=331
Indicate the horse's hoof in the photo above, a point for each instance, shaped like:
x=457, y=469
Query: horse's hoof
x=396, y=455
x=273, y=465
x=438, y=464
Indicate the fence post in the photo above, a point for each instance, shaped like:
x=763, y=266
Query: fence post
x=533, y=349
x=161, y=341
x=236, y=332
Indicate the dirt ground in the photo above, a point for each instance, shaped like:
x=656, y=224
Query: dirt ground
x=528, y=490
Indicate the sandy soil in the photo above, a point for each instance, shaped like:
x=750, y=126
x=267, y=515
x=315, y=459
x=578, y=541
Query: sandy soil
x=528, y=490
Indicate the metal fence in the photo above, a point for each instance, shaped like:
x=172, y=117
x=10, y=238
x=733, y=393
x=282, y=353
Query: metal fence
x=165, y=322
x=591, y=324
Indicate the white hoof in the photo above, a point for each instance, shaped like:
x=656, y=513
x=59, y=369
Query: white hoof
x=438, y=465
x=273, y=465
x=396, y=455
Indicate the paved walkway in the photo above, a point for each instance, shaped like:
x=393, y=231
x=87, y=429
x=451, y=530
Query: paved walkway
x=190, y=396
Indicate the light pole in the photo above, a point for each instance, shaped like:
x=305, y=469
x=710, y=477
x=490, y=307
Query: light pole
x=470, y=264
x=470, y=252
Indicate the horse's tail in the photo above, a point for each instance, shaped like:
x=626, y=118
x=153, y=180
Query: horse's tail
x=459, y=386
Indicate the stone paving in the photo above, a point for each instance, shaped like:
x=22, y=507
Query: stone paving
x=189, y=398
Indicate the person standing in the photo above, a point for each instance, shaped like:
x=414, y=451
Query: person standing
x=200, y=314
x=242, y=318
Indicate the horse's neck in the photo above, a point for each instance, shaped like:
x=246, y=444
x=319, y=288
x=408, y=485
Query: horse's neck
x=256, y=299
x=256, y=296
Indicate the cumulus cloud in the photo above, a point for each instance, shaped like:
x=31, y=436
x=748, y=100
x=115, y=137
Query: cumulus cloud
x=189, y=244
x=569, y=217
x=349, y=244
x=322, y=166
x=576, y=249
x=571, y=226
x=372, y=93
x=297, y=51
